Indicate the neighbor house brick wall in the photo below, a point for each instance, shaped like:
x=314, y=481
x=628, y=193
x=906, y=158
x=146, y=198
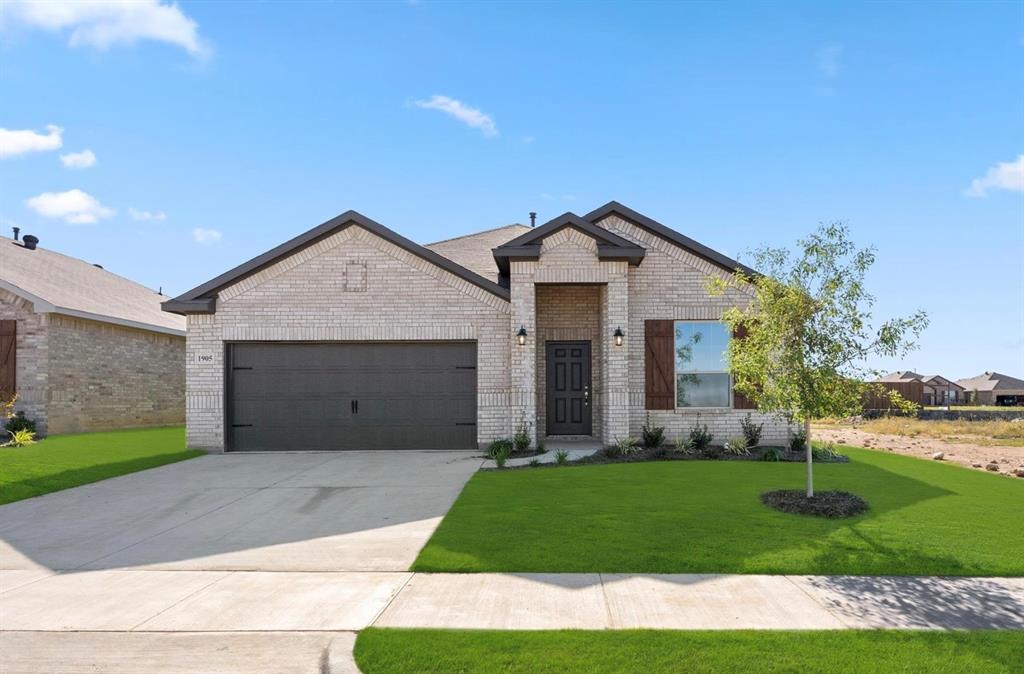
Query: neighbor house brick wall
x=671, y=283
x=104, y=376
x=350, y=286
x=32, y=355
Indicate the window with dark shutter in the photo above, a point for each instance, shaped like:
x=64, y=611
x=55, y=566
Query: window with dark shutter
x=8, y=358
x=740, y=401
x=659, y=365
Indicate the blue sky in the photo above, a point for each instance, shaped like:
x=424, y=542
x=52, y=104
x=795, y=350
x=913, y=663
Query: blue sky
x=219, y=130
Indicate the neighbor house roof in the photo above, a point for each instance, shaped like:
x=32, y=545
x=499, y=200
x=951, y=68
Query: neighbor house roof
x=992, y=381
x=61, y=284
x=203, y=298
x=938, y=380
x=902, y=375
x=473, y=251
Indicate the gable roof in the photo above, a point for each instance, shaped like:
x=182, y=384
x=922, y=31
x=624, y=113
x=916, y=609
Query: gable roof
x=991, y=381
x=62, y=284
x=473, y=251
x=901, y=375
x=939, y=380
x=203, y=298
x=610, y=246
x=668, y=234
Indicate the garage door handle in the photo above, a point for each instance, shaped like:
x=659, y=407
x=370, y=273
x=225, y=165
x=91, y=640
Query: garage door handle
x=355, y=407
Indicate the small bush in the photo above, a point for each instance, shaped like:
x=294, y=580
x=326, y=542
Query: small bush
x=751, y=431
x=521, y=439
x=700, y=438
x=499, y=446
x=737, y=446
x=627, y=446
x=534, y=462
x=21, y=438
x=561, y=457
x=681, y=444
x=831, y=504
x=501, y=456
x=712, y=452
x=540, y=447
x=771, y=454
x=826, y=453
x=652, y=436
x=19, y=422
x=798, y=440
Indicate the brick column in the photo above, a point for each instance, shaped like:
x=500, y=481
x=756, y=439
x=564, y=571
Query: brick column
x=615, y=314
x=523, y=357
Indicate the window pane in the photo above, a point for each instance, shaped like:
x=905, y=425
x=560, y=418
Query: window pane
x=701, y=346
x=702, y=390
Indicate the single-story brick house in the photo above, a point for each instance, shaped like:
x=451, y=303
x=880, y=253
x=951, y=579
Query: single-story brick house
x=934, y=389
x=85, y=349
x=992, y=388
x=350, y=336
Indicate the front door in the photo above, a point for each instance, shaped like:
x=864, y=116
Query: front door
x=568, y=388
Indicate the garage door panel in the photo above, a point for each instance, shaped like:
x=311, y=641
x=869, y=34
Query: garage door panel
x=352, y=396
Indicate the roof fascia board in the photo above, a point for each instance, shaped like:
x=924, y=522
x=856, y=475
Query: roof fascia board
x=568, y=220
x=205, y=305
x=39, y=305
x=312, y=236
x=670, y=235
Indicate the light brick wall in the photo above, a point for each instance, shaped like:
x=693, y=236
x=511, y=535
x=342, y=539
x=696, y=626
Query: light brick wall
x=32, y=355
x=351, y=286
x=105, y=376
x=670, y=283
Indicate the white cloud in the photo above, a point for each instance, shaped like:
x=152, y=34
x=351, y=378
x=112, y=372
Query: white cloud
x=73, y=207
x=466, y=114
x=17, y=142
x=1006, y=175
x=206, y=236
x=146, y=216
x=827, y=59
x=105, y=23
x=78, y=160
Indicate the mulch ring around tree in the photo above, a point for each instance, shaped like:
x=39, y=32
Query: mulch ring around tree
x=831, y=504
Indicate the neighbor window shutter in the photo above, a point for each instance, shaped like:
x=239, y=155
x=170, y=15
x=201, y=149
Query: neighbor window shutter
x=740, y=401
x=659, y=365
x=8, y=358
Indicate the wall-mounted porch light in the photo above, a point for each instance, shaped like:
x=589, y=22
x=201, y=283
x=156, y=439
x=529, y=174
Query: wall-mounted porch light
x=619, y=336
x=521, y=335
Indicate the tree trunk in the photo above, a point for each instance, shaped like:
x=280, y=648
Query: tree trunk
x=810, y=459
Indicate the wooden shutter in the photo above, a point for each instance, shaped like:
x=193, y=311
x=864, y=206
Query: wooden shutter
x=8, y=357
x=740, y=401
x=659, y=365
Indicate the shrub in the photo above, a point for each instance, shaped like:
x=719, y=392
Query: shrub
x=534, y=462
x=798, y=440
x=19, y=422
x=652, y=436
x=826, y=453
x=712, y=452
x=561, y=457
x=21, y=438
x=521, y=439
x=771, y=454
x=540, y=447
x=501, y=456
x=681, y=444
x=499, y=446
x=737, y=446
x=751, y=431
x=627, y=446
x=700, y=438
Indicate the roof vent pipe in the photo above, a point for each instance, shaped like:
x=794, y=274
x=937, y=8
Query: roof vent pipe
x=533, y=219
x=30, y=241
x=16, y=230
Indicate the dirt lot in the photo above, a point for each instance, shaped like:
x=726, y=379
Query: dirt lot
x=1007, y=459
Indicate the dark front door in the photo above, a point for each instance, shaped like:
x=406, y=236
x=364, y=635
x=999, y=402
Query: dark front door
x=568, y=388
x=339, y=395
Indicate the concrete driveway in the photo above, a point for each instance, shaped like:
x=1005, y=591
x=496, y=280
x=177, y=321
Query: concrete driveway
x=274, y=543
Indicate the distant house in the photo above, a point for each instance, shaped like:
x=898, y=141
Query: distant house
x=85, y=349
x=933, y=390
x=992, y=388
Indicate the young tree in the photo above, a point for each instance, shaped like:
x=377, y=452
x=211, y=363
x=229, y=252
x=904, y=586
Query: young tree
x=805, y=338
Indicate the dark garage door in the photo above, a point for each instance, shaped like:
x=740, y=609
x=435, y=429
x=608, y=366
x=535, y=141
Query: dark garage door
x=328, y=396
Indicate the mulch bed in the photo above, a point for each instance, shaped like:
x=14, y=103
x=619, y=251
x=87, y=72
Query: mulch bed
x=668, y=453
x=830, y=504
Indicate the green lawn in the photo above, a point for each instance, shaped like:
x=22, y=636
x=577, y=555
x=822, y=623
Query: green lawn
x=925, y=518
x=382, y=651
x=64, y=461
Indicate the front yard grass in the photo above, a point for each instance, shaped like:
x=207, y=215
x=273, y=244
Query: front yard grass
x=64, y=461
x=925, y=518
x=383, y=651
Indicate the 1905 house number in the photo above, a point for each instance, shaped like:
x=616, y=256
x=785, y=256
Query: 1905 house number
x=204, y=358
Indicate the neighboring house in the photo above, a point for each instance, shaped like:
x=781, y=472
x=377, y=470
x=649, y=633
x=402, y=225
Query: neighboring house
x=934, y=390
x=85, y=349
x=350, y=336
x=992, y=388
